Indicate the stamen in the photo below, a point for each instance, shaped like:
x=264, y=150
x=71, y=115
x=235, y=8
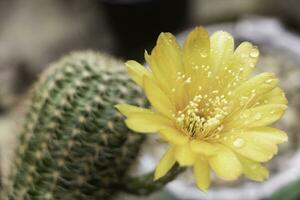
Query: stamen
x=203, y=115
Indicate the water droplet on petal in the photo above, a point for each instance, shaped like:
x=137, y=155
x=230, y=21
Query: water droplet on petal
x=209, y=74
x=254, y=53
x=203, y=55
x=188, y=80
x=238, y=143
x=257, y=116
x=243, y=100
x=195, y=67
x=269, y=81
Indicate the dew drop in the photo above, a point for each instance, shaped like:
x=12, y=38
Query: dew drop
x=188, y=80
x=203, y=55
x=238, y=143
x=257, y=116
x=243, y=100
x=195, y=67
x=254, y=53
x=269, y=81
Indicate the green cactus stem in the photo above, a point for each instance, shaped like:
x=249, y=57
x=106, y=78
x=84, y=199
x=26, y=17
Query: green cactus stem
x=74, y=144
x=290, y=191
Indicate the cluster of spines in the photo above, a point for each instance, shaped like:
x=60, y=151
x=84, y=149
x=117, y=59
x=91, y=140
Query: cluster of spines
x=74, y=144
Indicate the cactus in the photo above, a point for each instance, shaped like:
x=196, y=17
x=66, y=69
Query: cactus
x=74, y=144
x=287, y=192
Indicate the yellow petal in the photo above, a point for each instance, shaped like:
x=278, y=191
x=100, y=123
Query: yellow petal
x=244, y=60
x=221, y=52
x=226, y=164
x=168, y=49
x=174, y=136
x=268, y=134
x=196, y=48
x=165, y=163
x=253, y=170
x=275, y=96
x=256, y=87
x=204, y=148
x=147, y=122
x=201, y=172
x=184, y=155
x=221, y=49
x=157, y=97
x=257, y=144
x=127, y=109
x=248, y=93
x=258, y=116
x=196, y=52
x=147, y=57
x=136, y=71
x=165, y=61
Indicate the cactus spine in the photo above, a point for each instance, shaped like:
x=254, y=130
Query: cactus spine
x=74, y=144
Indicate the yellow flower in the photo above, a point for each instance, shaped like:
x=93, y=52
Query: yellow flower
x=207, y=108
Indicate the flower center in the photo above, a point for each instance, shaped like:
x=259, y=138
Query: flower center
x=202, y=117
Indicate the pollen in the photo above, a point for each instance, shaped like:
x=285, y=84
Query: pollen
x=202, y=117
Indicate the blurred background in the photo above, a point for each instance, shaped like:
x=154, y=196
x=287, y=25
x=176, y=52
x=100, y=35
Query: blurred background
x=34, y=33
